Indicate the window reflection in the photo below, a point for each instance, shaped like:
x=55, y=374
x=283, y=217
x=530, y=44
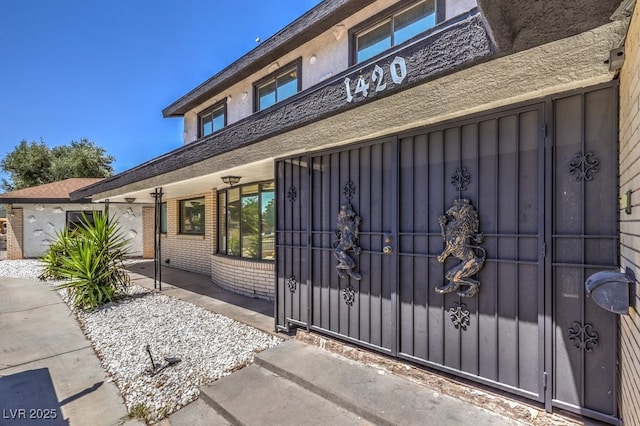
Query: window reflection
x=395, y=29
x=247, y=221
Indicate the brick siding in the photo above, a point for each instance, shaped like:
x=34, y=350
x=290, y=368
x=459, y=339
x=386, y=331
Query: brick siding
x=196, y=253
x=189, y=252
x=14, y=234
x=250, y=278
x=630, y=224
x=147, y=232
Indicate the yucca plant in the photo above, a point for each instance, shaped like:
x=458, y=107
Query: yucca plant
x=93, y=263
x=52, y=259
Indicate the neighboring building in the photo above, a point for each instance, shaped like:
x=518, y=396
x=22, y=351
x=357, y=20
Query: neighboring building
x=317, y=170
x=37, y=213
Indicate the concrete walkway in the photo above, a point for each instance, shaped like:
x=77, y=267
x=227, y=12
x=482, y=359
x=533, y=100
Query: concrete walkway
x=49, y=374
x=199, y=290
x=48, y=368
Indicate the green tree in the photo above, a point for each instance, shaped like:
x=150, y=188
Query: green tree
x=29, y=164
x=33, y=163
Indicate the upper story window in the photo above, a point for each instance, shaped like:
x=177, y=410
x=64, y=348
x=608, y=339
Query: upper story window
x=277, y=86
x=212, y=119
x=392, y=29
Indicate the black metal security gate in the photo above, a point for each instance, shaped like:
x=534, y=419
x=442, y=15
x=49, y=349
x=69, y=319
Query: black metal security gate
x=361, y=231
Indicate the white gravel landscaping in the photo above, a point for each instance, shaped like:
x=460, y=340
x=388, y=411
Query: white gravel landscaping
x=209, y=345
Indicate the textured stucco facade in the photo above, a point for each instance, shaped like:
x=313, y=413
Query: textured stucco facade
x=34, y=226
x=323, y=57
x=629, y=131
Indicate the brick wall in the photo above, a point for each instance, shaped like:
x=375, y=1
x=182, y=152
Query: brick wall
x=630, y=224
x=147, y=232
x=250, y=278
x=14, y=234
x=189, y=252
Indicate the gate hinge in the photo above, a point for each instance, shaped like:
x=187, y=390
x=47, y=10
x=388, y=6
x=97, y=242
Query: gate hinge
x=544, y=379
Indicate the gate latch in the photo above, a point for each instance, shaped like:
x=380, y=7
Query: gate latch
x=610, y=290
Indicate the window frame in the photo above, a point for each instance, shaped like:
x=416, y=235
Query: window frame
x=164, y=224
x=224, y=233
x=291, y=66
x=78, y=213
x=204, y=216
x=220, y=105
x=379, y=19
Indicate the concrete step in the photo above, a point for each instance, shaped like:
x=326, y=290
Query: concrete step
x=296, y=383
x=373, y=394
x=257, y=396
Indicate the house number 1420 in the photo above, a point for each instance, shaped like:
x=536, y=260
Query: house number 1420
x=397, y=69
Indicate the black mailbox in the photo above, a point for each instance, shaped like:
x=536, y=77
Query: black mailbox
x=610, y=290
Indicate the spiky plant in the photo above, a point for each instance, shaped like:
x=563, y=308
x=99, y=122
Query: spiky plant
x=52, y=258
x=93, y=264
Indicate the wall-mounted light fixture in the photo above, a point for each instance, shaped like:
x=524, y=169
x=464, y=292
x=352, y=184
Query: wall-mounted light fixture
x=129, y=200
x=230, y=180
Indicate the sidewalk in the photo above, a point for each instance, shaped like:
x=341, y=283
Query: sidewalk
x=49, y=374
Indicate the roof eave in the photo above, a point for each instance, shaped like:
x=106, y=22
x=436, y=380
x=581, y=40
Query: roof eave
x=44, y=200
x=308, y=26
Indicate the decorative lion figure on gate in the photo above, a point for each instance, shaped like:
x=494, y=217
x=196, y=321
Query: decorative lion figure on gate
x=347, y=233
x=461, y=238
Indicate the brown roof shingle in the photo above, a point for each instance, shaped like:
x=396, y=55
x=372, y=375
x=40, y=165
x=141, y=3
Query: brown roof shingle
x=50, y=192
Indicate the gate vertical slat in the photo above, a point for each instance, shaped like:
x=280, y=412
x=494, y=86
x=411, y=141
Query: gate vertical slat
x=451, y=158
x=353, y=312
x=516, y=214
x=584, y=236
x=365, y=288
x=468, y=158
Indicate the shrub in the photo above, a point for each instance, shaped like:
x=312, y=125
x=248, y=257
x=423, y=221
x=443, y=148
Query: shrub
x=91, y=258
x=52, y=259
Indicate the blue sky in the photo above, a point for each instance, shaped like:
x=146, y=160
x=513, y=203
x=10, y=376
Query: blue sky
x=104, y=70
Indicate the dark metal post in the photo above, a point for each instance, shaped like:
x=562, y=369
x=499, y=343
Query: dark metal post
x=154, y=194
x=159, y=235
x=157, y=238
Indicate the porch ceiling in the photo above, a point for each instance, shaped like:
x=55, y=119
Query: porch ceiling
x=566, y=64
x=190, y=184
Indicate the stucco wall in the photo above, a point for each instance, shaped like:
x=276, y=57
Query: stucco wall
x=630, y=223
x=322, y=58
x=42, y=221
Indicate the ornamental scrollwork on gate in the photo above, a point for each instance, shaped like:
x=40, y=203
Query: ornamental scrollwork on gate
x=583, y=336
x=460, y=316
x=583, y=166
x=347, y=233
x=460, y=179
x=349, y=190
x=349, y=295
x=459, y=228
x=292, y=194
x=292, y=283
